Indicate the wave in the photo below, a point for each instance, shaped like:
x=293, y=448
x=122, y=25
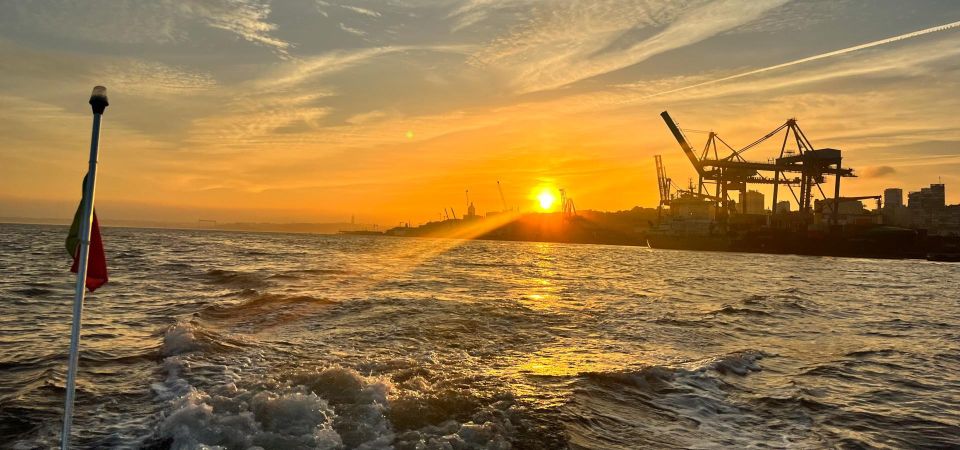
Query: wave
x=262, y=307
x=701, y=403
x=733, y=310
x=264, y=419
x=670, y=320
x=187, y=337
x=33, y=292
x=333, y=407
x=235, y=278
x=737, y=363
x=326, y=271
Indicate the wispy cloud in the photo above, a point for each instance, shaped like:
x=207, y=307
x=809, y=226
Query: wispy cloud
x=132, y=21
x=140, y=77
x=245, y=18
x=354, y=31
x=809, y=59
x=587, y=39
x=362, y=11
x=315, y=67
x=877, y=171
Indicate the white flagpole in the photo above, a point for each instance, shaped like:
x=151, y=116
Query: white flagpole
x=98, y=101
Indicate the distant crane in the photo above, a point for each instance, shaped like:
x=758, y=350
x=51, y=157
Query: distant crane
x=663, y=182
x=808, y=167
x=566, y=204
x=502, y=198
x=453, y=213
x=466, y=193
x=851, y=199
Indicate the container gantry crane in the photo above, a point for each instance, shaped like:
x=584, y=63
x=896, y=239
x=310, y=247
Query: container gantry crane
x=807, y=165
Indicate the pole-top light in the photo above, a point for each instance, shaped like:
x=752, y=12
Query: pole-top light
x=98, y=99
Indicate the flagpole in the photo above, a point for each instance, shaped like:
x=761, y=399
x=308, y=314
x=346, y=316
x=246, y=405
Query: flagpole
x=98, y=102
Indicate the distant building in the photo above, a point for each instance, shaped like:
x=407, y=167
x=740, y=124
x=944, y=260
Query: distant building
x=894, y=212
x=783, y=207
x=927, y=207
x=851, y=212
x=893, y=198
x=752, y=201
x=471, y=212
x=847, y=206
x=929, y=199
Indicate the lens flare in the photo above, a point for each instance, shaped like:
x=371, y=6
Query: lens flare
x=546, y=199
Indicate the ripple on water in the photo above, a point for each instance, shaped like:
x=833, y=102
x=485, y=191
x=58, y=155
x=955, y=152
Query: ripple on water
x=279, y=341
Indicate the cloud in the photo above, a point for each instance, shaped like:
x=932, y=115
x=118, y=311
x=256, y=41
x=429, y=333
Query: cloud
x=473, y=12
x=140, y=77
x=315, y=67
x=579, y=40
x=245, y=18
x=877, y=171
x=809, y=59
x=362, y=11
x=137, y=22
x=353, y=31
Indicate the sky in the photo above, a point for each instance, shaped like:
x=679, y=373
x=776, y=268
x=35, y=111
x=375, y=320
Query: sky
x=390, y=110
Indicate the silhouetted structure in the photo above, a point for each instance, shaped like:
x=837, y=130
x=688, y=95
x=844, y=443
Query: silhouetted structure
x=705, y=217
x=732, y=172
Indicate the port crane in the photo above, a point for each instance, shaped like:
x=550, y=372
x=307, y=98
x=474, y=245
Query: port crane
x=566, y=204
x=662, y=182
x=804, y=166
x=502, y=198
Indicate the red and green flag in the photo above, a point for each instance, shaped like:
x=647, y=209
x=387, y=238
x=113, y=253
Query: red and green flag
x=96, y=261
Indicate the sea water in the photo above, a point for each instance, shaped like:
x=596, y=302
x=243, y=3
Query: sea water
x=206, y=339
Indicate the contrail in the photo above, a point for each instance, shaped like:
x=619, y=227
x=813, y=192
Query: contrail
x=901, y=37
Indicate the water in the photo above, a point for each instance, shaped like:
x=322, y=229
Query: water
x=305, y=341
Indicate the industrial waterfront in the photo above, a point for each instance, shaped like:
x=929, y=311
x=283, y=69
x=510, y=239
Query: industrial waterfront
x=721, y=211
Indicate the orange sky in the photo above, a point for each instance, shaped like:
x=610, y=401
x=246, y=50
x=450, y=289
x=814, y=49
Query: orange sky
x=316, y=111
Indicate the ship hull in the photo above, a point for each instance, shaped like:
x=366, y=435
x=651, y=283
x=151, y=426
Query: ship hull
x=797, y=244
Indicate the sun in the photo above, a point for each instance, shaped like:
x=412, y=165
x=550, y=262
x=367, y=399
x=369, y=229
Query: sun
x=546, y=200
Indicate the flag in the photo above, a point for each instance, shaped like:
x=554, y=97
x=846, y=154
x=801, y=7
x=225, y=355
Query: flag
x=96, y=261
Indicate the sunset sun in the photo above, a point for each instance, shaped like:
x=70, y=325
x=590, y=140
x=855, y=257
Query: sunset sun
x=546, y=199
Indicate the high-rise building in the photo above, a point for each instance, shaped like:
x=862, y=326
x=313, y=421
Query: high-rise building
x=892, y=198
x=783, y=207
x=752, y=201
x=893, y=211
x=929, y=199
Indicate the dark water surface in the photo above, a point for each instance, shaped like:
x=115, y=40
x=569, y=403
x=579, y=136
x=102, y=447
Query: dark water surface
x=239, y=340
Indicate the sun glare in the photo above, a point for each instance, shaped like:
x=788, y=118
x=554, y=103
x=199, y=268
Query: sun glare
x=546, y=199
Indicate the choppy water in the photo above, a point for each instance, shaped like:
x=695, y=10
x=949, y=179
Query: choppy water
x=306, y=341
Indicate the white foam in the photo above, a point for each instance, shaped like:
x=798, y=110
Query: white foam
x=331, y=408
x=265, y=419
x=179, y=339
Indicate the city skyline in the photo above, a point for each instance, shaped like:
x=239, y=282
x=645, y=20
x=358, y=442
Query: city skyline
x=315, y=111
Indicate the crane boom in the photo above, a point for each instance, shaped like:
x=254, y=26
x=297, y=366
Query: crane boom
x=687, y=149
x=662, y=181
x=502, y=198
